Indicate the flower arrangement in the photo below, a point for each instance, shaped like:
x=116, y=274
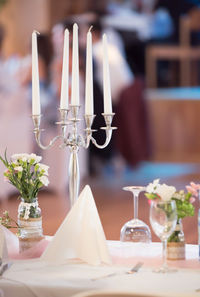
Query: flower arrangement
x=183, y=200
x=27, y=174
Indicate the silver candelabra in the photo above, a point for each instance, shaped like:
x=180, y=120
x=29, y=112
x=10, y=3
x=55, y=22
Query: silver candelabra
x=71, y=138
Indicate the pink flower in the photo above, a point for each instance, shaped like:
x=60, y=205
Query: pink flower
x=192, y=199
x=195, y=186
x=192, y=190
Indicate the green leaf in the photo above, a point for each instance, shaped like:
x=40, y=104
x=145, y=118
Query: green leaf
x=151, y=196
x=184, y=208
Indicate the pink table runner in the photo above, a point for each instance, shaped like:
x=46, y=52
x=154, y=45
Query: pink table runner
x=122, y=253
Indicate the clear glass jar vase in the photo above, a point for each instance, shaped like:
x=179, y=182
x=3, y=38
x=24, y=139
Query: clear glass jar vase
x=30, y=224
x=176, y=243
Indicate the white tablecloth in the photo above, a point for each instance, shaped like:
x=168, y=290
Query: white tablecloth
x=35, y=278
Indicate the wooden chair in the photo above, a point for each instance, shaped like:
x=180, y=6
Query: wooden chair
x=184, y=52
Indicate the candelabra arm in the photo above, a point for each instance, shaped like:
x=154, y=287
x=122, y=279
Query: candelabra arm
x=37, y=131
x=51, y=143
x=108, y=138
x=108, y=120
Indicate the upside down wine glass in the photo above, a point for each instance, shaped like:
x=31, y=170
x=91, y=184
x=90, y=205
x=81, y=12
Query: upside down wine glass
x=135, y=230
x=163, y=218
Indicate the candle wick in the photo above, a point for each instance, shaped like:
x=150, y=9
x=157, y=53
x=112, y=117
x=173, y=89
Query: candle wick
x=35, y=31
x=90, y=28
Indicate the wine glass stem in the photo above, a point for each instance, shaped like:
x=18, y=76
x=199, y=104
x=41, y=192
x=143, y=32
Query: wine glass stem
x=164, y=243
x=135, y=199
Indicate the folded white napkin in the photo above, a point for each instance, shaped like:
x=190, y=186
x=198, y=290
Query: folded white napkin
x=3, y=245
x=80, y=235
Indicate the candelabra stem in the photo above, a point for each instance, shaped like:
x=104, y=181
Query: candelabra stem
x=74, y=175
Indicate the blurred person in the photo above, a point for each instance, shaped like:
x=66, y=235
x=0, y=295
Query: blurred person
x=130, y=144
x=103, y=161
x=133, y=23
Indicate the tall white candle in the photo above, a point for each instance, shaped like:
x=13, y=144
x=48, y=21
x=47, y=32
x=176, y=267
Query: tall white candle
x=89, y=104
x=106, y=79
x=64, y=98
x=75, y=68
x=35, y=76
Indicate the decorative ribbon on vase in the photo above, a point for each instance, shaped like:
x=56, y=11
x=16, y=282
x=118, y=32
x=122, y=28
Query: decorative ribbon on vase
x=27, y=207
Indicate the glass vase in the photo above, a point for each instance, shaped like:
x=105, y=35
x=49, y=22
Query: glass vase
x=30, y=224
x=176, y=243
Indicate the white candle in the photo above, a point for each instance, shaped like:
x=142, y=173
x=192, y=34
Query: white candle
x=64, y=98
x=89, y=105
x=35, y=76
x=75, y=68
x=106, y=79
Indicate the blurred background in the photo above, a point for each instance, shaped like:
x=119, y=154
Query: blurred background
x=154, y=58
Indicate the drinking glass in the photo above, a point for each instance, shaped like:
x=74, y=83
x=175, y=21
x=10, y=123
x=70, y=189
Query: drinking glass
x=163, y=218
x=135, y=230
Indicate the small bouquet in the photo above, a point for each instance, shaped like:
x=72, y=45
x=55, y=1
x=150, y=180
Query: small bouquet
x=183, y=200
x=27, y=174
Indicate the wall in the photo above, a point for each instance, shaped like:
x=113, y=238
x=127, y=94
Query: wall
x=21, y=17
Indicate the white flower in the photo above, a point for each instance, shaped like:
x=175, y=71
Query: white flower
x=179, y=195
x=165, y=192
x=44, y=180
x=43, y=167
x=34, y=157
x=19, y=168
x=26, y=157
x=16, y=157
x=151, y=188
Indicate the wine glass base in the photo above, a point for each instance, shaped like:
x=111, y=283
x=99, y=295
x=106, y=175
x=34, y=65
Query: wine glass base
x=135, y=231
